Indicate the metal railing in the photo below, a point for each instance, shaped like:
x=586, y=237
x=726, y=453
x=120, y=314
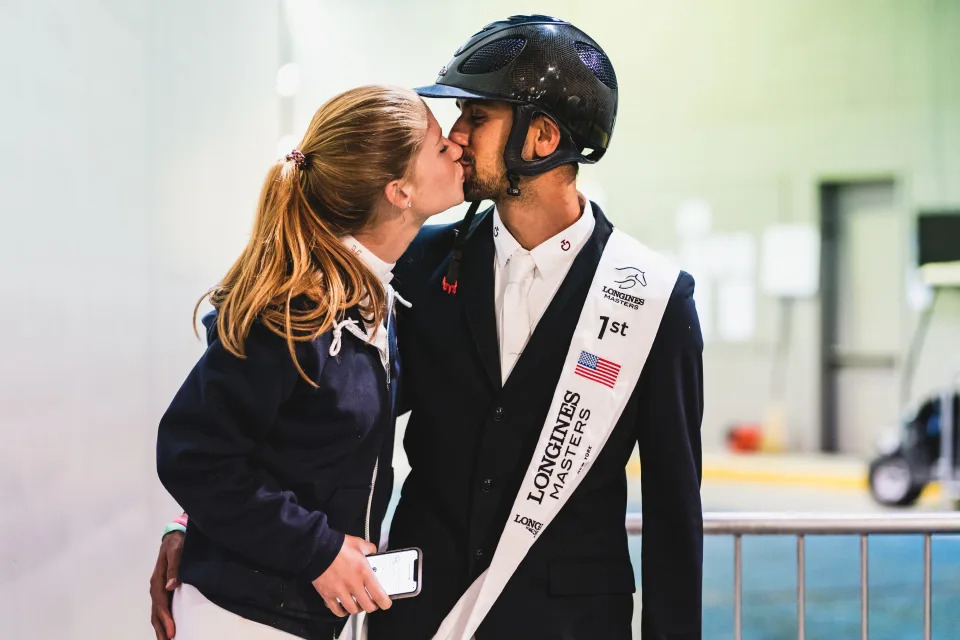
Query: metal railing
x=804, y=524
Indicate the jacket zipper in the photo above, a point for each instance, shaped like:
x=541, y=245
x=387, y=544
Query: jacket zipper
x=376, y=465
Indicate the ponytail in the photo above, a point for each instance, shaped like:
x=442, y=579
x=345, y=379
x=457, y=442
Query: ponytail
x=295, y=275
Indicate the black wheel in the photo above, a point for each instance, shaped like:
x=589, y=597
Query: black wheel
x=894, y=482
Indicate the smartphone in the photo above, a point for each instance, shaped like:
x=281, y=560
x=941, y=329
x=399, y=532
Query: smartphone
x=399, y=572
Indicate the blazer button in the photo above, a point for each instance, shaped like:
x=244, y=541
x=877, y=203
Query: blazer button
x=478, y=554
x=498, y=414
x=487, y=484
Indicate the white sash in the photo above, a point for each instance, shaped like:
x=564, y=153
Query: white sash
x=610, y=345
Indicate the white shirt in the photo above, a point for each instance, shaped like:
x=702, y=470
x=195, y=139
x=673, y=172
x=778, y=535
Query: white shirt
x=553, y=259
x=384, y=271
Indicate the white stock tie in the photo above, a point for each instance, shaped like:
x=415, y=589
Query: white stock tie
x=515, y=322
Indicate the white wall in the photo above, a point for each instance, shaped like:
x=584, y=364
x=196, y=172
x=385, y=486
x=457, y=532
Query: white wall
x=750, y=104
x=135, y=136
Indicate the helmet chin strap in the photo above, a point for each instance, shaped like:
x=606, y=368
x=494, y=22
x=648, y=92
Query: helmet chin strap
x=565, y=153
x=451, y=278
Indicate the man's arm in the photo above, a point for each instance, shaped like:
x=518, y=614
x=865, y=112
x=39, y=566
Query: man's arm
x=671, y=408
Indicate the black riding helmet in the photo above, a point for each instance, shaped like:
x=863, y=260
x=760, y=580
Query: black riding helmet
x=543, y=66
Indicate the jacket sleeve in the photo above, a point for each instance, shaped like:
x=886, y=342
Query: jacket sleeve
x=671, y=397
x=205, y=444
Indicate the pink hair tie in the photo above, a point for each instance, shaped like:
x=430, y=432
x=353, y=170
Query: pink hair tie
x=298, y=158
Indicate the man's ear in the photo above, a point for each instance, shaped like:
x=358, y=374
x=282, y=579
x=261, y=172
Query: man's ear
x=398, y=194
x=543, y=138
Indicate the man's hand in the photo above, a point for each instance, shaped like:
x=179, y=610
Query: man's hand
x=349, y=584
x=165, y=578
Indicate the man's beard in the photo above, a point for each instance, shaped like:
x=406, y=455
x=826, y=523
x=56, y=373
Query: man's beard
x=484, y=187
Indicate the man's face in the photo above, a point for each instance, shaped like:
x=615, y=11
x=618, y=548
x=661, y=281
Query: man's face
x=482, y=130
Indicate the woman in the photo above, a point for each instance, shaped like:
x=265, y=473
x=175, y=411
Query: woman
x=279, y=442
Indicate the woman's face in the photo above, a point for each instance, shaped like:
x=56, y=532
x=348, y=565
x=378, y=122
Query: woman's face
x=436, y=182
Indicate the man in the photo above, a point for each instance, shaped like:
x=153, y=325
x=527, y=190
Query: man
x=535, y=358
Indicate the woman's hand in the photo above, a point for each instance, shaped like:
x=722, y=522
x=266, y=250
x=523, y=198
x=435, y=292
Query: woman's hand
x=349, y=584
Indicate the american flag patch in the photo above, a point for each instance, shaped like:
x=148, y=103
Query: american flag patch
x=597, y=369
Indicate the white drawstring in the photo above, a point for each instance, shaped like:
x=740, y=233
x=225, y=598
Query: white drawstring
x=353, y=326
x=394, y=296
x=338, y=327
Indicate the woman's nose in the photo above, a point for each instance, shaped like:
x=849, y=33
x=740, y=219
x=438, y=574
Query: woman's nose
x=456, y=151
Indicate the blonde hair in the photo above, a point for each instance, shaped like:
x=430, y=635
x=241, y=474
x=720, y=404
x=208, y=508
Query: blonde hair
x=295, y=275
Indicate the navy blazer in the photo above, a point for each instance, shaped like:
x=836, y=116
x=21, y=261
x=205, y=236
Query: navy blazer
x=470, y=439
x=273, y=471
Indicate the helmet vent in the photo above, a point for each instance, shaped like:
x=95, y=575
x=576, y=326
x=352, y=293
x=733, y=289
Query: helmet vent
x=493, y=56
x=597, y=62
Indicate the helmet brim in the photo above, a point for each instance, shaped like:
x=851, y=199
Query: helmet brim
x=446, y=91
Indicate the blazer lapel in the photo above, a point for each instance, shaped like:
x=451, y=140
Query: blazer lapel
x=475, y=292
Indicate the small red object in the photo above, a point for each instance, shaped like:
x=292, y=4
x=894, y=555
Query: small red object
x=450, y=288
x=745, y=438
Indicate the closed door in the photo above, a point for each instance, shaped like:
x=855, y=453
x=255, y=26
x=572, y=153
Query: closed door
x=864, y=250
